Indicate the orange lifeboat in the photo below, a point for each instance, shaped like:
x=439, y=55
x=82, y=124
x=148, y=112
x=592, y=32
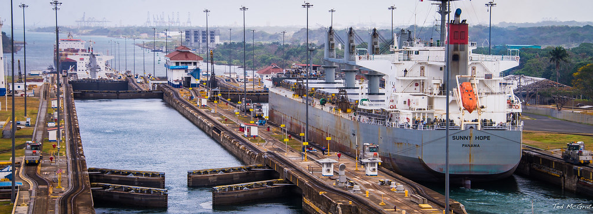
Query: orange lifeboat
x=468, y=97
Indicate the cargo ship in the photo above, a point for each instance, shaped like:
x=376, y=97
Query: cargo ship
x=398, y=101
x=82, y=62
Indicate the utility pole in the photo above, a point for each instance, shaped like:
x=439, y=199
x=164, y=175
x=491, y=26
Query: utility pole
x=392, y=8
x=243, y=8
x=307, y=5
x=143, y=62
x=490, y=5
x=25, y=54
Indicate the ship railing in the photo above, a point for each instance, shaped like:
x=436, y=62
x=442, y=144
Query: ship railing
x=493, y=58
x=388, y=57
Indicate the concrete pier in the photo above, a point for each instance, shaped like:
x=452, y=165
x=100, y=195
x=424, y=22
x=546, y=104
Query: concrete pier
x=549, y=168
x=230, y=175
x=250, y=192
x=129, y=195
x=127, y=177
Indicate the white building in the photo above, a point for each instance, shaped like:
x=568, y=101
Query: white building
x=198, y=38
x=183, y=67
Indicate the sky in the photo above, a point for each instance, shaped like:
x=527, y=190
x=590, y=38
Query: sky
x=262, y=13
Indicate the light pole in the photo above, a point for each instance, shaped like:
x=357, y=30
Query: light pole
x=118, y=58
x=126, y=54
x=134, y=45
x=143, y=62
x=230, y=52
x=55, y=3
x=12, y=198
x=392, y=8
x=25, y=54
x=447, y=70
x=283, y=52
x=332, y=17
x=490, y=5
x=243, y=8
x=307, y=5
x=253, y=63
x=154, y=53
x=207, y=51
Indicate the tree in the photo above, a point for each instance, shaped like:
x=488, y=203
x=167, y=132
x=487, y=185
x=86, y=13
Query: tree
x=558, y=55
x=583, y=79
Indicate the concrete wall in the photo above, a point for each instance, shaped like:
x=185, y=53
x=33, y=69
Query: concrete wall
x=101, y=85
x=246, y=155
x=130, y=199
x=156, y=182
x=250, y=195
x=565, y=114
x=573, y=178
x=216, y=179
x=117, y=94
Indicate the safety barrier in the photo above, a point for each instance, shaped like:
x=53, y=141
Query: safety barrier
x=225, y=170
x=246, y=186
x=127, y=172
x=129, y=189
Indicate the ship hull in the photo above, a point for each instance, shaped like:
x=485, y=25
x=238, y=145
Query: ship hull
x=477, y=155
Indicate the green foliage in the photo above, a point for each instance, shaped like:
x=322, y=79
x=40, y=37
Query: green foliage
x=583, y=79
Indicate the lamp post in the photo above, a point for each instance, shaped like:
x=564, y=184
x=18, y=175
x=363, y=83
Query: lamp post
x=243, y=8
x=12, y=198
x=126, y=54
x=25, y=54
x=207, y=51
x=55, y=3
x=134, y=45
x=307, y=5
x=154, y=53
x=118, y=58
x=143, y=62
x=392, y=8
x=253, y=63
x=230, y=52
x=490, y=5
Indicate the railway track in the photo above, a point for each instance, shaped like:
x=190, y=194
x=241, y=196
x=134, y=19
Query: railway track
x=358, y=200
x=545, y=153
x=77, y=184
x=40, y=186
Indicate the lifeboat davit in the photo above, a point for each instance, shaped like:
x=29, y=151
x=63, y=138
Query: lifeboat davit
x=468, y=97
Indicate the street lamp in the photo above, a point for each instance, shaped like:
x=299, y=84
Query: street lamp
x=253, y=63
x=12, y=198
x=307, y=5
x=392, y=8
x=243, y=8
x=207, y=50
x=55, y=3
x=126, y=53
x=134, y=45
x=230, y=52
x=25, y=54
x=154, y=53
x=490, y=5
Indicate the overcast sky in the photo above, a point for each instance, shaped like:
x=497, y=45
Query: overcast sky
x=371, y=13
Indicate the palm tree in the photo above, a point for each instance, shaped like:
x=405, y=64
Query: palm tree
x=558, y=55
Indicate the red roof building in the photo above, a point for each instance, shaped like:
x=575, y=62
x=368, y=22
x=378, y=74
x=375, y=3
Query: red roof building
x=182, y=64
x=268, y=72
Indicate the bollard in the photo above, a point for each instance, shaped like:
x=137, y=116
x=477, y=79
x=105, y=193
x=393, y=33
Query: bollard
x=406, y=193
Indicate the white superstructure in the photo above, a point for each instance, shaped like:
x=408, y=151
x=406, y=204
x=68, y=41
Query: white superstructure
x=2, y=77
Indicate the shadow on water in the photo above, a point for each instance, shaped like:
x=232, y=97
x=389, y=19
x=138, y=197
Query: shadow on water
x=515, y=194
